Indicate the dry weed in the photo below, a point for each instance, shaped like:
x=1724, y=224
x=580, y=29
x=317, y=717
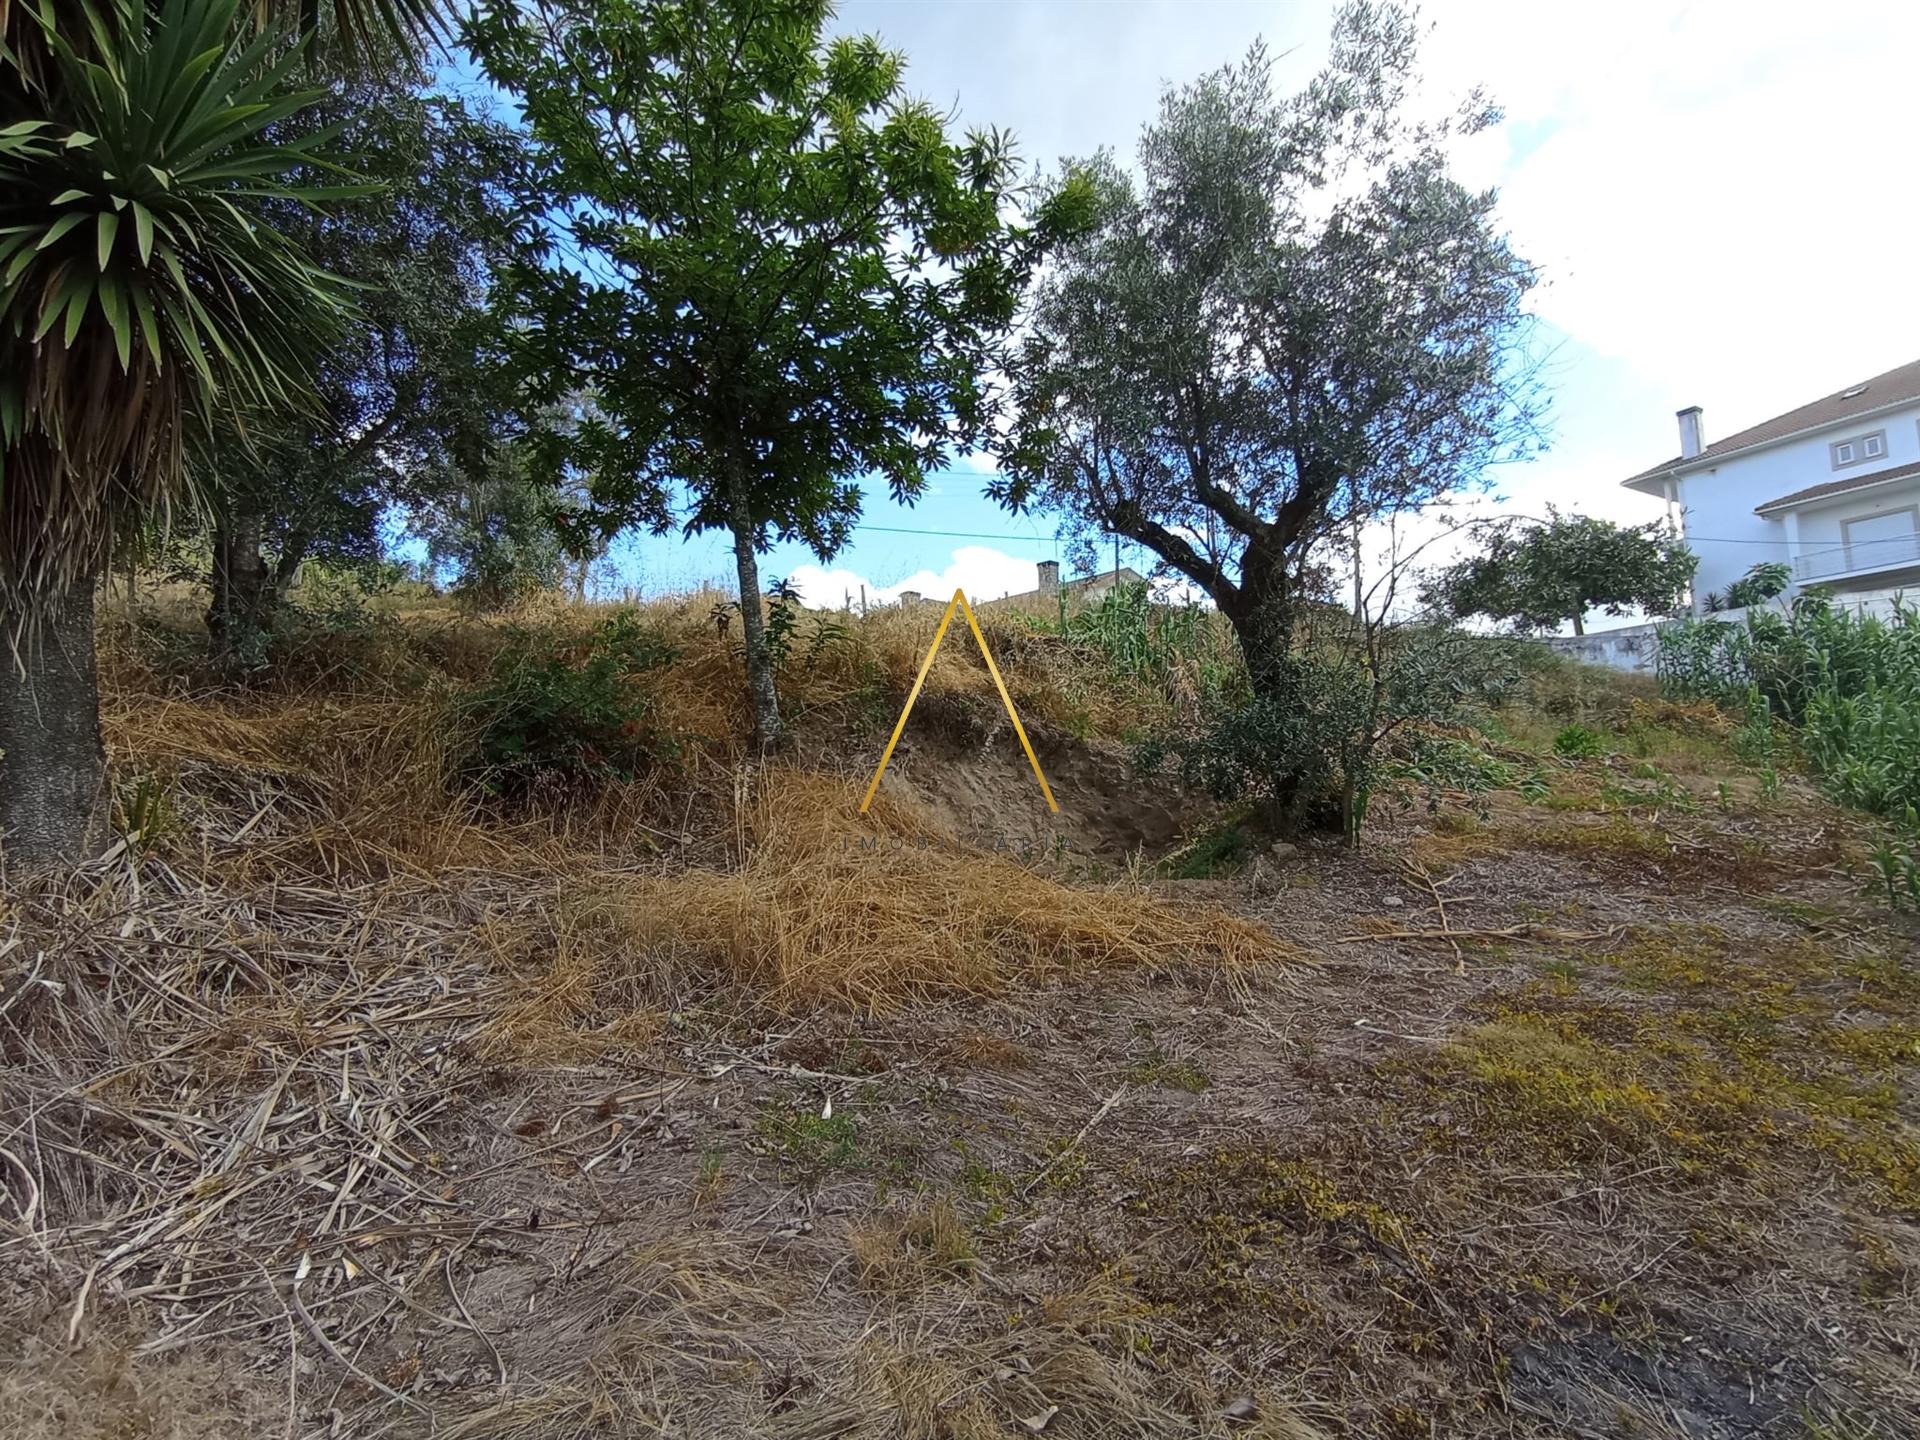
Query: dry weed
x=911, y=1248
x=874, y=912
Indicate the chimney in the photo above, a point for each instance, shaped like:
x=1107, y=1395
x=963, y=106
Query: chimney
x=1692, y=439
x=1049, y=576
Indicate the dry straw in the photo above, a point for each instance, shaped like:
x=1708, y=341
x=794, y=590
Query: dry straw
x=879, y=910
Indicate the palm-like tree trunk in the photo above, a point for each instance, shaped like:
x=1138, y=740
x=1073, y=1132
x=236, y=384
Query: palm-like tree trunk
x=52, y=763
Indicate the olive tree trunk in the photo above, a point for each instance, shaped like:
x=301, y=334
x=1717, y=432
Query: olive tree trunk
x=753, y=624
x=52, y=764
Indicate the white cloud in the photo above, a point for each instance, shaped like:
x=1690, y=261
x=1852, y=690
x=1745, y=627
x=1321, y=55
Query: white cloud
x=983, y=572
x=1718, y=193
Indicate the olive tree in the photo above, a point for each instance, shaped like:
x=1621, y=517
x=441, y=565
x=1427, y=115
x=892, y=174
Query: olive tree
x=1289, y=321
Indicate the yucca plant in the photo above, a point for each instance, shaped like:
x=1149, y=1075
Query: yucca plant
x=142, y=295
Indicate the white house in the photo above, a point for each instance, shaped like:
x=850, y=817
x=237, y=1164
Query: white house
x=1832, y=488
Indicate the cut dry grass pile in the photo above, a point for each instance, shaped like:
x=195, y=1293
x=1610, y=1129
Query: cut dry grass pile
x=884, y=909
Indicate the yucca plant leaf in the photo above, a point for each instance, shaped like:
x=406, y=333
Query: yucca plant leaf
x=77, y=310
x=143, y=231
x=149, y=324
x=108, y=229
x=113, y=304
x=60, y=227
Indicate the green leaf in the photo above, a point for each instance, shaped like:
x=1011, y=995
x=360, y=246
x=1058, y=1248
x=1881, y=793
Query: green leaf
x=80, y=139
x=77, y=310
x=60, y=227
x=113, y=304
x=65, y=195
x=109, y=227
x=143, y=231
x=149, y=325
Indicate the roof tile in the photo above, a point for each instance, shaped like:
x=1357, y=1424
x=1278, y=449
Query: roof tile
x=1891, y=388
x=1839, y=487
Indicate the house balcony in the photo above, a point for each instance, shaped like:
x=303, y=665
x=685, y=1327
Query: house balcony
x=1858, y=560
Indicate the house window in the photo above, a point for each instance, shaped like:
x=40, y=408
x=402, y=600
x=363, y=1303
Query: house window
x=1858, y=449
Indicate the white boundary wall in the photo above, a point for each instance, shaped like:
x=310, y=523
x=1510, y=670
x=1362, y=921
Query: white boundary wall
x=1633, y=647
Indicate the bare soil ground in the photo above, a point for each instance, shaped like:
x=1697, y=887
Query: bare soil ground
x=1594, y=1116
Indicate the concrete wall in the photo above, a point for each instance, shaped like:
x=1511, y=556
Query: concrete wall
x=1631, y=647
x=1635, y=647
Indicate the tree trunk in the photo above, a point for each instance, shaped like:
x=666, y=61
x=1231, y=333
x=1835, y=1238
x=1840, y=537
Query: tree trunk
x=1579, y=628
x=1263, y=620
x=240, y=582
x=53, y=768
x=753, y=627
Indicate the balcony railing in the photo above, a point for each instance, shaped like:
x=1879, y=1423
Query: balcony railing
x=1897, y=552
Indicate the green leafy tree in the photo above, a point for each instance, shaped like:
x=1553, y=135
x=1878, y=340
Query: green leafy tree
x=773, y=274
x=1536, y=575
x=495, y=534
x=1292, y=323
x=1761, y=583
x=416, y=395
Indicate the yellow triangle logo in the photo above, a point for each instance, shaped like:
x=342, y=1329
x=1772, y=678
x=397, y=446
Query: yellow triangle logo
x=959, y=602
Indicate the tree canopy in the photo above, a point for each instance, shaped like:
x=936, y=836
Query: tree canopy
x=1294, y=321
x=417, y=395
x=1537, y=574
x=772, y=272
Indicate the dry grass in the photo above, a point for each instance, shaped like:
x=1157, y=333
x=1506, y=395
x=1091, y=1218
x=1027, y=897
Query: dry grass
x=906, y=1249
x=106, y=1393
x=828, y=907
x=424, y=1116
x=233, y=1047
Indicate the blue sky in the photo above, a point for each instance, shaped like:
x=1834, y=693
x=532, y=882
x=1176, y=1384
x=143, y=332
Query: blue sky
x=1719, y=196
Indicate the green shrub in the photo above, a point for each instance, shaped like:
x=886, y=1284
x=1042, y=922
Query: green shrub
x=1577, y=742
x=567, y=708
x=1304, y=750
x=1896, y=859
x=1850, y=686
x=1439, y=766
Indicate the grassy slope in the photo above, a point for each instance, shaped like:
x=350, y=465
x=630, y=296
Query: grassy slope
x=669, y=1108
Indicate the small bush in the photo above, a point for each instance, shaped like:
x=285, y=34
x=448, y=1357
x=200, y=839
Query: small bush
x=1305, y=750
x=1441, y=767
x=567, y=709
x=1213, y=853
x=1577, y=742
